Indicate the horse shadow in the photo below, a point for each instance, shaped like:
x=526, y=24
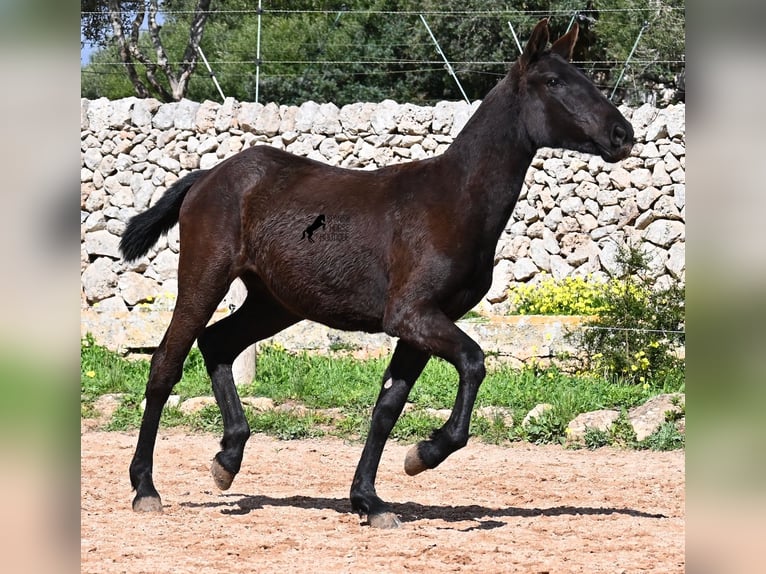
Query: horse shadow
x=239, y=504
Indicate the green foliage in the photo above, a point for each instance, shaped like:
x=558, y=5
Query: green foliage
x=569, y=296
x=636, y=330
x=103, y=371
x=491, y=430
x=666, y=437
x=636, y=336
x=320, y=382
x=415, y=426
x=547, y=428
x=378, y=49
x=596, y=438
x=285, y=425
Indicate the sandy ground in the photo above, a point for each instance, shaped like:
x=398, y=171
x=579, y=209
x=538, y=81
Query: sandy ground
x=519, y=508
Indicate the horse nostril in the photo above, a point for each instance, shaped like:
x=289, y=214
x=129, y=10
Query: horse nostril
x=619, y=135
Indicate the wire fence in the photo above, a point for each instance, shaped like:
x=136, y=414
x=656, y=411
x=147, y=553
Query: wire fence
x=240, y=65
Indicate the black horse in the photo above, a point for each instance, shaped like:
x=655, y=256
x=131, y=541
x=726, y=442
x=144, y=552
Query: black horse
x=422, y=238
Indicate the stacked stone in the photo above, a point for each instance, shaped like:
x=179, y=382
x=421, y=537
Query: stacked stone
x=573, y=213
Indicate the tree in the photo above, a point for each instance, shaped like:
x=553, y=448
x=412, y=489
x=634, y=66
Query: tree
x=368, y=50
x=149, y=76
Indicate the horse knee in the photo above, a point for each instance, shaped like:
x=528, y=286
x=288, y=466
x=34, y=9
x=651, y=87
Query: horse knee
x=472, y=366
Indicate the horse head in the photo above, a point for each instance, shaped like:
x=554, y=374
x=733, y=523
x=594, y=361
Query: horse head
x=561, y=107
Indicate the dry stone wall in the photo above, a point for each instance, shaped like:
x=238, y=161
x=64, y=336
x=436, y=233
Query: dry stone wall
x=574, y=211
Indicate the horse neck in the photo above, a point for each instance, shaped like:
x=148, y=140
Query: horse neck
x=493, y=153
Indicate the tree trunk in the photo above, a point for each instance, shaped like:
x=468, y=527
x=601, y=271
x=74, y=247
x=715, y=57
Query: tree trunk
x=130, y=52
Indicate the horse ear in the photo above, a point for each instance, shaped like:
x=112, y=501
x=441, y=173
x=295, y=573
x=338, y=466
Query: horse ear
x=564, y=46
x=536, y=44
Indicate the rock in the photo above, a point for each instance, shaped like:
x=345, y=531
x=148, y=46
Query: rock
x=173, y=401
x=601, y=420
x=206, y=114
x=620, y=177
x=539, y=255
x=92, y=158
x=135, y=288
x=560, y=268
x=647, y=418
x=609, y=256
x=383, y=119
x=524, y=269
x=641, y=178
x=501, y=276
x=196, y=404
x=572, y=205
x=99, y=113
x=536, y=413
x=258, y=403
x=102, y=243
x=106, y=405
x=442, y=118
x=675, y=121
x=99, y=280
x=268, y=121
x=665, y=208
x=676, y=262
x=226, y=116
x=327, y=120
x=185, y=115
x=248, y=114
x=209, y=160
x=663, y=232
x=165, y=116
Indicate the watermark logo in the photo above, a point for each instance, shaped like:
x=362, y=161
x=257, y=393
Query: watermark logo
x=332, y=228
x=317, y=224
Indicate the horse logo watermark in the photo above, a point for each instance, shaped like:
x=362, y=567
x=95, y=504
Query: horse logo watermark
x=333, y=228
x=318, y=223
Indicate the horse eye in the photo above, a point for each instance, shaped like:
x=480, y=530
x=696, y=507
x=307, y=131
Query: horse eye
x=552, y=82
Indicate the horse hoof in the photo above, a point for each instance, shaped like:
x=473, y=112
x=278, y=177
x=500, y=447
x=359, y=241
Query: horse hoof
x=384, y=520
x=413, y=464
x=147, y=504
x=222, y=477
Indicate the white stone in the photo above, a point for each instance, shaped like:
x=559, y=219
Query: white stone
x=663, y=232
x=501, y=277
x=99, y=280
x=102, y=243
x=524, y=269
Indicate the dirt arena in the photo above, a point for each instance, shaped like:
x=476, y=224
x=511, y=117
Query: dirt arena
x=519, y=508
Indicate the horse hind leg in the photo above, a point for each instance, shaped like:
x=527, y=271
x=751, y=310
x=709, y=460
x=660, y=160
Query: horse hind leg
x=198, y=296
x=259, y=317
x=165, y=371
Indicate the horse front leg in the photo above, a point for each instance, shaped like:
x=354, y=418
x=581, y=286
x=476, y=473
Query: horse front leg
x=431, y=330
x=405, y=367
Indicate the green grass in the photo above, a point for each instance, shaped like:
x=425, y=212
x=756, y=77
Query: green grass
x=340, y=381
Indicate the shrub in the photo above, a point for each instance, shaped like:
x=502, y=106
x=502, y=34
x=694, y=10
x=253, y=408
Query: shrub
x=569, y=296
x=637, y=334
x=636, y=329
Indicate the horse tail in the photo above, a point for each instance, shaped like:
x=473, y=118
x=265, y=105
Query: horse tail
x=145, y=229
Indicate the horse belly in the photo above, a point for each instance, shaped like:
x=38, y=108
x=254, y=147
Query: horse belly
x=339, y=285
